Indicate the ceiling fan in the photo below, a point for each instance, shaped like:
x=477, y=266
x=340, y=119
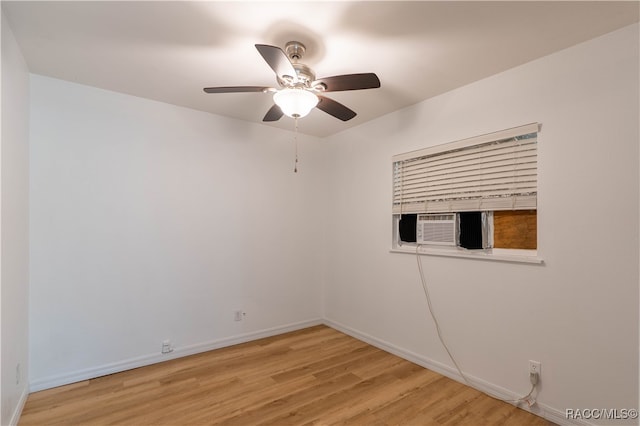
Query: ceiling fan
x=299, y=91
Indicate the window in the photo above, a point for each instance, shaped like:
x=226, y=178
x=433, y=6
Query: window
x=485, y=187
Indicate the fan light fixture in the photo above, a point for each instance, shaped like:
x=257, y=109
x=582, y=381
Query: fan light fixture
x=295, y=103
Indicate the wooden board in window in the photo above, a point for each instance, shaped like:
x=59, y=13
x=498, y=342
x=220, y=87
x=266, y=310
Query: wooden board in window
x=515, y=229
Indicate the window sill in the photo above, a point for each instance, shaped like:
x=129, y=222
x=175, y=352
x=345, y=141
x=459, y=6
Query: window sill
x=499, y=255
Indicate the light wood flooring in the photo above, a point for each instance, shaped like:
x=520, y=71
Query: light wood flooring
x=315, y=376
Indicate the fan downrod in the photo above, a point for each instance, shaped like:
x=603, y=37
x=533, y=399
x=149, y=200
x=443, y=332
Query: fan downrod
x=295, y=50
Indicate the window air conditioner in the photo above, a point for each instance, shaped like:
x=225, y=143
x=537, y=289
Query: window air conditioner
x=436, y=229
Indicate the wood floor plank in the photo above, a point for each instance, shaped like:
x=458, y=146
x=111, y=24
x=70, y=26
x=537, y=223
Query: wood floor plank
x=364, y=397
x=315, y=376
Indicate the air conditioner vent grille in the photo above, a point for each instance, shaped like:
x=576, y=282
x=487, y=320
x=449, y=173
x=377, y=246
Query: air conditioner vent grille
x=436, y=229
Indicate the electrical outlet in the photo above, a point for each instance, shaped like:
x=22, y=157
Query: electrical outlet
x=238, y=315
x=535, y=367
x=18, y=375
x=166, y=346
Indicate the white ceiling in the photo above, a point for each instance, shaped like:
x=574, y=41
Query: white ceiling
x=169, y=51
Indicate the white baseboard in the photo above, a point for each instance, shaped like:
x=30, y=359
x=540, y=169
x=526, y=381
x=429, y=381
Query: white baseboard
x=552, y=414
x=15, y=417
x=179, y=352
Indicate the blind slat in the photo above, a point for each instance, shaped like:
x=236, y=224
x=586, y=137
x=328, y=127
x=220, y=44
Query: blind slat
x=527, y=129
x=510, y=148
x=471, y=162
x=469, y=175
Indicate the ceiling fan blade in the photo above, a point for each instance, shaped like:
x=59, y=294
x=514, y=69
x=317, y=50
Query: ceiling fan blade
x=274, y=114
x=236, y=89
x=277, y=60
x=339, y=83
x=335, y=108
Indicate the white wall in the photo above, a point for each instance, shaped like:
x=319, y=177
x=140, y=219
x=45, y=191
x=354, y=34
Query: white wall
x=151, y=222
x=14, y=228
x=577, y=313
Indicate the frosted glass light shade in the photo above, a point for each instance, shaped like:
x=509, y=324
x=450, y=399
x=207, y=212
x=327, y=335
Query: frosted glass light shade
x=295, y=103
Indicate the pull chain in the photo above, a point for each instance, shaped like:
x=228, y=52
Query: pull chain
x=295, y=165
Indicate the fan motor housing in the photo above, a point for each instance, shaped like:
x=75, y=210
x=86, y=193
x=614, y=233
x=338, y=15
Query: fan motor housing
x=305, y=76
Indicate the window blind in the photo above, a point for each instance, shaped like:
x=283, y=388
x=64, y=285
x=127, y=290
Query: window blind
x=496, y=171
